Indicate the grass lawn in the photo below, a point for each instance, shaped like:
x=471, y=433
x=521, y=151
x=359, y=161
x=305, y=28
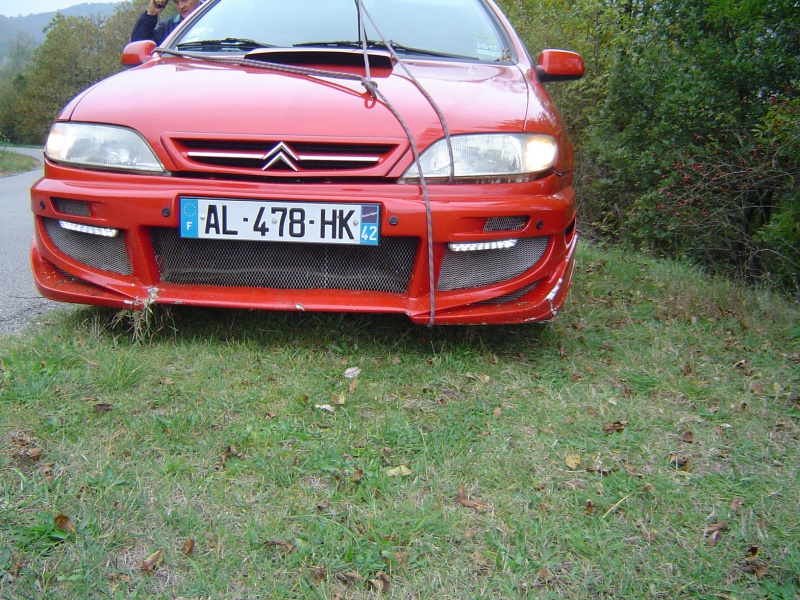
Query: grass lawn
x=11, y=162
x=644, y=445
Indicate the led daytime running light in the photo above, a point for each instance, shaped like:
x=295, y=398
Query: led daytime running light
x=101, y=231
x=478, y=246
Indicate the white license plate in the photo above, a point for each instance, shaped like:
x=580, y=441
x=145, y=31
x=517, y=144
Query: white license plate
x=279, y=221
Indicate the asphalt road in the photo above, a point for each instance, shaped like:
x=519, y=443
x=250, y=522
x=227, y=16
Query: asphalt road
x=20, y=304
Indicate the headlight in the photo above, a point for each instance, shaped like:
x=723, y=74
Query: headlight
x=100, y=146
x=488, y=155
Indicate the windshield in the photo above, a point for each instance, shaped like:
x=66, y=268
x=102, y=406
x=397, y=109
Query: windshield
x=452, y=28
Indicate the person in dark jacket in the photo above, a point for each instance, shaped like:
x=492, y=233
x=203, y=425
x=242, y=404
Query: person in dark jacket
x=148, y=27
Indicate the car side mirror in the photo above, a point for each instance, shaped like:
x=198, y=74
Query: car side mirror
x=138, y=53
x=559, y=65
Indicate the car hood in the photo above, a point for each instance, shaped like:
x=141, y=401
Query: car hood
x=180, y=95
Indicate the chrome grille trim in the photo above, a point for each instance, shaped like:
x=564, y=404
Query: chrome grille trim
x=104, y=253
x=371, y=160
x=284, y=157
x=274, y=265
x=478, y=268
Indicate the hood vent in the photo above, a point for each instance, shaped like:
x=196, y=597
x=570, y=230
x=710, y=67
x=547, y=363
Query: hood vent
x=336, y=57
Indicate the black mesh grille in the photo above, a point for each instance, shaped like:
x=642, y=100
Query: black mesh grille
x=100, y=252
x=383, y=268
x=483, y=267
x=72, y=207
x=505, y=223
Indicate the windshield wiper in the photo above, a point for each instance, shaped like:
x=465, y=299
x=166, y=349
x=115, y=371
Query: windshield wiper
x=373, y=45
x=226, y=45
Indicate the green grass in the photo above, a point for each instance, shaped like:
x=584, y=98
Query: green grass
x=211, y=430
x=11, y=162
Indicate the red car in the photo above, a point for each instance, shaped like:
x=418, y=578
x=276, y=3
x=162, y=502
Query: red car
x=399, y=156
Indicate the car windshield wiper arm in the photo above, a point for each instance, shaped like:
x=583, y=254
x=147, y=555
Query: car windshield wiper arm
x=400, y=49
x=226, y=45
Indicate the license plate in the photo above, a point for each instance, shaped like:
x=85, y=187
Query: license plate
x=279, y=221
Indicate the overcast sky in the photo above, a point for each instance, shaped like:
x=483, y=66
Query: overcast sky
x=14, y=8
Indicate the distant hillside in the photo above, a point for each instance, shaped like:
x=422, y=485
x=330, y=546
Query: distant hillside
x=31, y=27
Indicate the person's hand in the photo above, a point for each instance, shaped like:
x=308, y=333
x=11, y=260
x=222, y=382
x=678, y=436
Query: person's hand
x=156, y=7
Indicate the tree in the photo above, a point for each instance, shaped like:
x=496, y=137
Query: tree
x=77, y=53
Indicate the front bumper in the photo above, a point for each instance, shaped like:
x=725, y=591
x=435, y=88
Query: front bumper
x=149, y=263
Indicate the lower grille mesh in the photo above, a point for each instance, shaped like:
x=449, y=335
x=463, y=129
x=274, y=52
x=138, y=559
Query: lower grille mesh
x=100, y=252
x=484, y=267
x=383, y=268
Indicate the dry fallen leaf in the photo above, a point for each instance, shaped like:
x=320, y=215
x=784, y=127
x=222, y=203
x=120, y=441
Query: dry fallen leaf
x=102, y=407
x=737, y=504
x=478, y=505
x=481, y=563
x=709, y=529
x=573, y=460
x=381, y=583
x=401, y=471
x=650, y=536
x=339, y=399
x=614, y=427
x=714, y=538
x=589, y=510
x=151, y=564
x=352, y=372
x=497, y=412
x=349, y=578
x=687, y=437
x=326, y=408
x=27, y=455
x=353, y=386
x=751, y=553
x=16, y=565
x=230, y=451
x=286, y=547
x=481, y=378
x=188, y=546
x=599, y=470
x=679, y=461
x=64, y=523
x=714, y=533
x=320, y=573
